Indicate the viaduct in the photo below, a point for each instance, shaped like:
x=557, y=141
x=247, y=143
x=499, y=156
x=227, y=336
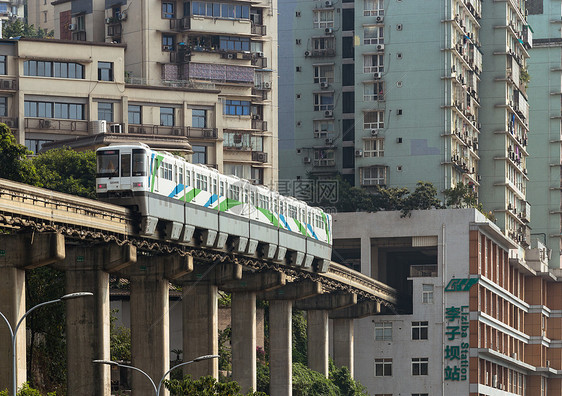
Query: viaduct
x=90, y=240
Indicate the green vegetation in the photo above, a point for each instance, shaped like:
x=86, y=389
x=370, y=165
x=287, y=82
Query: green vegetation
x=120, y=340
x=26, y=390
x=18, y=28
x=205, y=386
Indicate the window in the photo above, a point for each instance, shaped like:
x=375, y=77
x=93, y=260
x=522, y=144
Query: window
x=324, y=157
x=199, y=155
x=323, y=43
x=374, y=8
x=383, y=331
x=105, y=111
x=168, y=10
x=166, y=171
x=53, y=69
x=105, y=71
x=44, y=16
x=373, y=148
x=383, y=367
x=427, y=294
x=81, y=23
x=419, y=366
x=236, y=140
x=221, y=10
x=3, y=69
x=35, y=145
x=323, y=101
x=199, y=118
x=373, y=91
x=420, y=394
x=324, y=73
x=3, y=106
x=236, y=107
x=373, y=35
x=135, y=115
x=374, y=175
x=167, y=116
x=167, y=42
x=373, y=120
x=373, y=63
x=323, y=19
x=68, y=111
x=201, y=181
x=233, y=43
x=419, y=330
x=323, y=128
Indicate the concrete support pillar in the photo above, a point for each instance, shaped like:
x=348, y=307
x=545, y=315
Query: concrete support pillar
x=343, y=343
x=12, y=305
x=318, y=341
x=280, y=348
x=19, y=252
x=200, y=328
x=244, y=339
x=87, y=322
x=150, y=334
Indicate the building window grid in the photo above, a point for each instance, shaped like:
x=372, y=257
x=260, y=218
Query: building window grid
x=373, y=120
x=383, y=331
x=420, y=366
x=168, y=42
x=323, y=73
x=373, y=8
x=373, y=63
x=135, y=114
x=323, y=43
x=323, y=19
x=105, y=111
x=167, y=116
x=220, y=10
x=427, y=294
x=66, y=111
x=420, y=330
x=373, y=35
x=383, y=367
x=199, y=118
x=374, y=175
x=373, y=148
x=168, y=11
x=323, y=128
x=36, y=68
x=105, y=71
x=236, y=107
x=323, y=101
x=3, y=68
x=373, y=91
x=3, y=106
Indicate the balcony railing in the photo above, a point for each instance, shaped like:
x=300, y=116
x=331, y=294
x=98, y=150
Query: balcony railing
x=11, y=122
x=181, y=24
x=203, y=133
x=114, y=30
x=259, y=125
x=8, y=84
x=259, y=62
x=79, y=36
x=259, y=29
x=56, y=125
x=423, y=271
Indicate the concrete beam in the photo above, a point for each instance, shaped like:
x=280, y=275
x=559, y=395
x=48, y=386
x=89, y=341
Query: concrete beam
x=119, y=257
x=32, y=250
x=227, y=272
x=327, y=302
x=87, y=321
x=293, y=291
x=200, y=328
x=176, y=266
x=360, y=310
x=150, y=330
x=253, y=282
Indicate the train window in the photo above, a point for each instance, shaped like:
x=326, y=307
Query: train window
x=108, y=163
x=139, y=163
x=201, y=181
x=166, y=171
x=234, y=192
x=180, y=175
x=309, y=219
x=187, y=177
x=252, y=198
x=292, y=211
x=214, y=183
x=246, y=198
x=125, y=165
x=221, y=189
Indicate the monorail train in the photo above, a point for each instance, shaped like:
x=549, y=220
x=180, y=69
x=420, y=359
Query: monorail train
x=196, y=204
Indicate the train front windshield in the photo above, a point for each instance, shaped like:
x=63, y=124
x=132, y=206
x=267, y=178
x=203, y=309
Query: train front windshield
x=108, y=163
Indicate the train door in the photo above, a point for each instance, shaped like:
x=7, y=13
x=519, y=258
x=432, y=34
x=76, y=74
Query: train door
x=125, y=170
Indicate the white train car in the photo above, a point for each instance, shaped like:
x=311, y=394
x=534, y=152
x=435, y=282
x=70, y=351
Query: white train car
x=198, y=205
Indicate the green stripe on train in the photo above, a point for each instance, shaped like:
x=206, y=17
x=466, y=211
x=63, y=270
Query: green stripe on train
x=302, y=228
x=227, y=204
x=188, y=197
x=269, y=216
x=325, y=220
x=157, y=162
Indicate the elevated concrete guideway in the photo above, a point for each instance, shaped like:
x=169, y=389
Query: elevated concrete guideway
x=89, y=240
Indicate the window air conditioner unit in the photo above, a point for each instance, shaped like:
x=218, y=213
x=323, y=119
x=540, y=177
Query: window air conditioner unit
x=107, y=20
x=495, y=381
x=116, y=128
x=374, y=132
x=306, y=53
x=328, y=113
x=324, y=85
x=123, y=16
x=44, y=123
x=380, y=19
x=229, y=56
x=267, y=85
x=307, y=160
x=99, y=126
x=380, y=47
x=72, y=26
x=359, y=153
x=329, y=141
x=328, y=3
x=329, y=30
x=377, y=75
x=259, y=54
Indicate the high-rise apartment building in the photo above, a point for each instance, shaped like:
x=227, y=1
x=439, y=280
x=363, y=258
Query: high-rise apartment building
x=199, y=47
x=390, y=92
x=545, y=90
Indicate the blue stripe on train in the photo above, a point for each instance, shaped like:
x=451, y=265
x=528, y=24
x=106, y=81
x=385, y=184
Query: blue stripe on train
x=176, y=191
x=312, y=231
x=211, y=200
x=282, y=218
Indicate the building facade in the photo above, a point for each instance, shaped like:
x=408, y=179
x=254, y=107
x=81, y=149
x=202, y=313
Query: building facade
x=181, y=52
x=475, y=318
x=389, y=94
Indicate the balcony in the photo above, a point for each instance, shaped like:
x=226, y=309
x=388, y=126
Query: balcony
x=316, y=53
x=8, y=84
x=11, y=122
x=260, y=62
x=259, y=93
x=260, y=125
x=180, y=25
x=114, y=30
x=423, y=271
x=79, y=35
x=260, y=30
x=180, y=56
x=55, y=125
x=204, y=133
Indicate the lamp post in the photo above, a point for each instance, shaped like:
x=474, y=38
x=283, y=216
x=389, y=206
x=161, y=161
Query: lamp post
x=156, y=389
x=14, y=332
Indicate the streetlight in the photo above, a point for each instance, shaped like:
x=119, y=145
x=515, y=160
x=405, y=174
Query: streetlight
x=14, y=333
x=156, y=389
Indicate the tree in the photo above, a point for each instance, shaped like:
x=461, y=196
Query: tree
x=460, y=196
x=68, y=171
x=423, y=198
x=205, y=386
x=14, y=164
x=119, y=340
x=18, y=28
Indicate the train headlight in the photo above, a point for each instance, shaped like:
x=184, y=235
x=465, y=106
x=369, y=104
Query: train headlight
x=100, y=186
x=137, y=184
